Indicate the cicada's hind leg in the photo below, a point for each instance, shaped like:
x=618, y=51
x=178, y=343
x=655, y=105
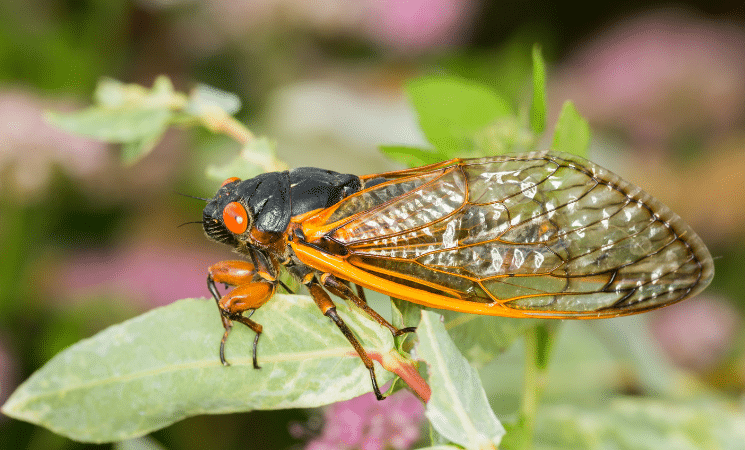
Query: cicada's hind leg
x=328, y=309
x=249, y=295
x=341, y=289
x=361, y=292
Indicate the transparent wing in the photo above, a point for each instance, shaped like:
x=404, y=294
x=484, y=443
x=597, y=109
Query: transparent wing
x=537, y=232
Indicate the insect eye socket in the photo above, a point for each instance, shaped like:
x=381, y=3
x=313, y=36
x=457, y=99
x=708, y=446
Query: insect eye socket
x=230, y=180
x=235, y=217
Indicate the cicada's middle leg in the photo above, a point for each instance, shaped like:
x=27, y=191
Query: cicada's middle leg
x=341, y=289
x=250, y=293
x=328, y=308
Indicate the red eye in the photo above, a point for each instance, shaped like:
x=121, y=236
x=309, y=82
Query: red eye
x=235, y=217
x=230, y=180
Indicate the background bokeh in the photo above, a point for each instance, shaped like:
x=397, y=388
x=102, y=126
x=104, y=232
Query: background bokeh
x=85, y=242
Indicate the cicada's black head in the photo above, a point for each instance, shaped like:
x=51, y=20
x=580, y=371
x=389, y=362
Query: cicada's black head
x=240, y=209
x=256, y=212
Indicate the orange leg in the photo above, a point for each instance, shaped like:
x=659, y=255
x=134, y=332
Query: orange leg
x=249, y=295
x=328, y=309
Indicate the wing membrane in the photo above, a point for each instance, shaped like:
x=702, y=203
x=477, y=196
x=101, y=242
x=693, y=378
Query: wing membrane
x=543, y=234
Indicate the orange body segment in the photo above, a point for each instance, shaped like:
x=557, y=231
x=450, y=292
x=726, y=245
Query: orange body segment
x=234, y=273
x=321, y=298
x=339, y=267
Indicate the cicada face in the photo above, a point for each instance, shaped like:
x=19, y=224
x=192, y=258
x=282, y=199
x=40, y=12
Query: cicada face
x=256, y=212
x=249, y=213
x=213, y=215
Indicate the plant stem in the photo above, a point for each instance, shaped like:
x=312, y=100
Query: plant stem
x=538, y=344
x=218, y=121
x=529, y=406
x=406, y=369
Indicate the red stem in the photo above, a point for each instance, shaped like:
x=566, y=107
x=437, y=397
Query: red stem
x=405, y=369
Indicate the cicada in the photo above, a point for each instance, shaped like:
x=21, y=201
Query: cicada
x=540, y=235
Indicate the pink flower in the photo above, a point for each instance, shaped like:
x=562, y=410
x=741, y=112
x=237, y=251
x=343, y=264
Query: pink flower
x=32, y=147
x=697, y=333
x=152, y=272
x=368, y=424
x=659, y=75
x=418, y=25
x=412, y=26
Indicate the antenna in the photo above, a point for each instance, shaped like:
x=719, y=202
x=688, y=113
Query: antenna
x=191, y=196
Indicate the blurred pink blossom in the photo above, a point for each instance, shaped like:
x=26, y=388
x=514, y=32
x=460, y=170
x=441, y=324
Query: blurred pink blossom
x=411, y=26
x=368, y=424
x=698, y=333
x=152, y=272
x=659, y=75
x=418, y=25
x=32, y=148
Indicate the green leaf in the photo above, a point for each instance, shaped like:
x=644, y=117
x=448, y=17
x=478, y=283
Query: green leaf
x=458, y=408
x=135, y=150
x=452, y=110
x=411, y=156
x=114, y=94
x=636, y=423
x=483, y=338
x=479, y=338
x=538, y=106
x=257, y=156
x=127, y=114
x=405, y=313
x=158, y=368
x=572, y=133
x=505, y=135
x=117, y=126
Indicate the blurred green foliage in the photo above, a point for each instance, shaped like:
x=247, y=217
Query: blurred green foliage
x=61, y=49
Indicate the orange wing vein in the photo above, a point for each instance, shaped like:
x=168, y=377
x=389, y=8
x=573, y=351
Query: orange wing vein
x=535, y=235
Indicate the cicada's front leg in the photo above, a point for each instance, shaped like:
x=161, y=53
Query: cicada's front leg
x=250, y=293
